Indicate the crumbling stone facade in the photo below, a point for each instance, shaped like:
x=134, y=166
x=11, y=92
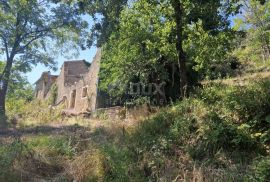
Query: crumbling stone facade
x=77, y=85
x=44, y=84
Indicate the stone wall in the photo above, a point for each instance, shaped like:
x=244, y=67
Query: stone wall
x=71, y=73
x=91, y=80
x=44, y=84
x=77, y=85
x=137, y=113
x=82, y=94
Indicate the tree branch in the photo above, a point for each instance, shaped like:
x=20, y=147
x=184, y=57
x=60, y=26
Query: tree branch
x=6, y=45
x=30, y=41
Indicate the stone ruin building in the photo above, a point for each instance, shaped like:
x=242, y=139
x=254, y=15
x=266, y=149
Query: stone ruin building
x=76, y=87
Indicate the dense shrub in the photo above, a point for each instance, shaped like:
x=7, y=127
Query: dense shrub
x=261, y=170
x=248, y=106
x=216, y=121
x=244, y=103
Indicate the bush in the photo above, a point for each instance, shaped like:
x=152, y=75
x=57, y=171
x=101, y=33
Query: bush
x=215, y=127
x=261, y=170
x=238, y=102
x=37, y=112
x=9, y=154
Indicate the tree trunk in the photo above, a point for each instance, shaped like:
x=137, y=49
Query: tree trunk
x=3, y=89
x=178, y=15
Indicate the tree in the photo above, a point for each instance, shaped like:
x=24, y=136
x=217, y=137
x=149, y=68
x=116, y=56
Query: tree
x=214, y=17
x=155, y=35
x=19, y=87
x=255, y=22
x=211, y=55
x=20, y=92
x=106, y=16
x=28, y=29
x=140, y=50
x=178, y=17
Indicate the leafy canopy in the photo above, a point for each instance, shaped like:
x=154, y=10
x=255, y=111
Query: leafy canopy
x=106, y=18
x=34, y=31
x=255, y=22
x=144, y=47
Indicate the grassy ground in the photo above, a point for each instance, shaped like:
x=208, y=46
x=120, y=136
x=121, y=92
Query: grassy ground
x=75, y=149
x=220, y=133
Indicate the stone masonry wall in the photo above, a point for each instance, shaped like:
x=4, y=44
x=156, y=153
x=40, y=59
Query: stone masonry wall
x=77, y=85
x=44, y=84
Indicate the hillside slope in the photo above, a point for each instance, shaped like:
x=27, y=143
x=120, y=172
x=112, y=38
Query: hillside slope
x=220, y=133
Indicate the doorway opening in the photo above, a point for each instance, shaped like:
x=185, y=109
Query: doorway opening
x=73, y=99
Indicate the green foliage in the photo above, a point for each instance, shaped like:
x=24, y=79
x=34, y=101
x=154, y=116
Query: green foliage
x=33, y=32
x=17, y=101
x=56, y=146
x=19, y=87
x=138, y=101
x=144, y=47
x=261, y=168
x=239, y=103
x=140, y=48
x=120, y=164
x=15, y=106
x=255, y=46
x=20, y=92
x=39, y=26
x=209, y=52
x=210, y=136
x=20, y=104
x=53, y=94
x=33, y=113
x=9, y=153
x=106, y=15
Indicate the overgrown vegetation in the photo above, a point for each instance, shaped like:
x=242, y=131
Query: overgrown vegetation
x=216, y=129
x=213, y=135
x=206, y=130
x=146, y=48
